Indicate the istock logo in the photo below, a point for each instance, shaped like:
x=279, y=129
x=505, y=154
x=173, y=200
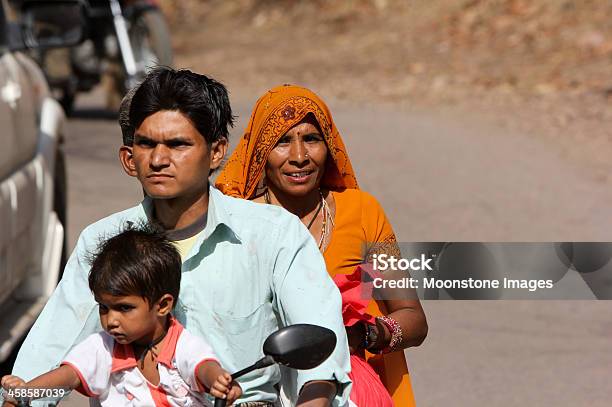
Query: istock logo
x=383, y=262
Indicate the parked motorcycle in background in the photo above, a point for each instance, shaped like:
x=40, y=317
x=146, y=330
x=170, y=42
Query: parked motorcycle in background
x=124, y=39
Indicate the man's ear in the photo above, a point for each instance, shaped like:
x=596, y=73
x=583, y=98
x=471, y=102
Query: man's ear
x=165, y=304
x=218, y=149
x=127, y=160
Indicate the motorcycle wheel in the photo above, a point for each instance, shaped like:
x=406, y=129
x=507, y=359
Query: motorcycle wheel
x=150, y=39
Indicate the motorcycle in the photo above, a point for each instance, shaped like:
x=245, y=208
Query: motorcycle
x=124, y=39
x=300, y=346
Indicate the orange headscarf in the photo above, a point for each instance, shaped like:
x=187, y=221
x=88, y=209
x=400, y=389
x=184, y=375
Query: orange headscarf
x=277, y=111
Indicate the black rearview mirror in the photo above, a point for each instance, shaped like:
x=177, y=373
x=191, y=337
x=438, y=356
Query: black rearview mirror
x=300, y=346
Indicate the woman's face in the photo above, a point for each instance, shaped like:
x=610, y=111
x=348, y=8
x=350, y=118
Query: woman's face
x=297, y=163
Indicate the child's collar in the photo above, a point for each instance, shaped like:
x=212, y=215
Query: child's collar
x=123, y=355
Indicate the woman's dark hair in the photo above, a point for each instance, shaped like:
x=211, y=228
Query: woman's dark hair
x=138, y=261
x=202, y=99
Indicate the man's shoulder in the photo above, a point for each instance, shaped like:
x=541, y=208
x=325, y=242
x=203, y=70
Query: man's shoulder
x=113, y=223
x=249, y=212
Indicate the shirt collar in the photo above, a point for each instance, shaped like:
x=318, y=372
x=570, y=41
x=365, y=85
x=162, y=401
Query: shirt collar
x=219, y=213
x=123, y=354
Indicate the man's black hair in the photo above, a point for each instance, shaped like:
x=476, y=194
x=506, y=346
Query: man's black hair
x=138, y=261
x=202, y=99
x=127, y=130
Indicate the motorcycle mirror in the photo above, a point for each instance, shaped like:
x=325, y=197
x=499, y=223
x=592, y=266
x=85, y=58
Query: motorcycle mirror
x=300, y=346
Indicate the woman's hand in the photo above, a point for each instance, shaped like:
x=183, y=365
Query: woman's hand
x=356, y=336
x=411, y=318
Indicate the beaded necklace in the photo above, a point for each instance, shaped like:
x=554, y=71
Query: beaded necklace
x=326, y=216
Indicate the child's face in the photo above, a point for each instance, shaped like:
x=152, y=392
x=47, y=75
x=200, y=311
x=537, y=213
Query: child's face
x=130, y=318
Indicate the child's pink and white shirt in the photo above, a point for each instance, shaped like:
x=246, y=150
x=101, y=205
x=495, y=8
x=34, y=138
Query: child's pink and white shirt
x=108, y=371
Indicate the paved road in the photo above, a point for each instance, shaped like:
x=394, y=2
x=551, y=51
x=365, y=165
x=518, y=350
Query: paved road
x=443, y=177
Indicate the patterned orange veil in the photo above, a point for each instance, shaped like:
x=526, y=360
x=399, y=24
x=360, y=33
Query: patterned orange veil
x=277, y=111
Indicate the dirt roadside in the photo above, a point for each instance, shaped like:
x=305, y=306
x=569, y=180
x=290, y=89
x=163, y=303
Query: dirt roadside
x=540, y=68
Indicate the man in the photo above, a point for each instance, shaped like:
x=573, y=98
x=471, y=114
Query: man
x=247, y=268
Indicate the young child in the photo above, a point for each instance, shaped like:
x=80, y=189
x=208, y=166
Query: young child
x=144, y=357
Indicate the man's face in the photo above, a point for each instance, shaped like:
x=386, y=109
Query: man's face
x=170, y=157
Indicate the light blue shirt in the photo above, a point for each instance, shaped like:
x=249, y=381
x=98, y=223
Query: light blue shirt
x=253, y=269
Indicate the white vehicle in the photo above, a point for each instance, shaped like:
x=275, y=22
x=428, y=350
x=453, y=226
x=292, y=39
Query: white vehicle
x=32, y=173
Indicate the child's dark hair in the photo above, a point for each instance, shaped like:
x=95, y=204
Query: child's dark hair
x=138, y=261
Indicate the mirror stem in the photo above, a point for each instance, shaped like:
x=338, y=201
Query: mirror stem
x=261, y=363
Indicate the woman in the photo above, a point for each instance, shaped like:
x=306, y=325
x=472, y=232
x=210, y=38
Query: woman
x=292, y=155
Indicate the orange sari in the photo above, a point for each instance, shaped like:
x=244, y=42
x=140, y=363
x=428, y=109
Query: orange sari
x=359, y=218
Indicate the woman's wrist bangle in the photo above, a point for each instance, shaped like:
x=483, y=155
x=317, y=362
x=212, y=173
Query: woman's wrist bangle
x=396, y=333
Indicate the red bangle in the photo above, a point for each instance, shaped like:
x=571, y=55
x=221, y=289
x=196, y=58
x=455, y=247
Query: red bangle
x=396, y=333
